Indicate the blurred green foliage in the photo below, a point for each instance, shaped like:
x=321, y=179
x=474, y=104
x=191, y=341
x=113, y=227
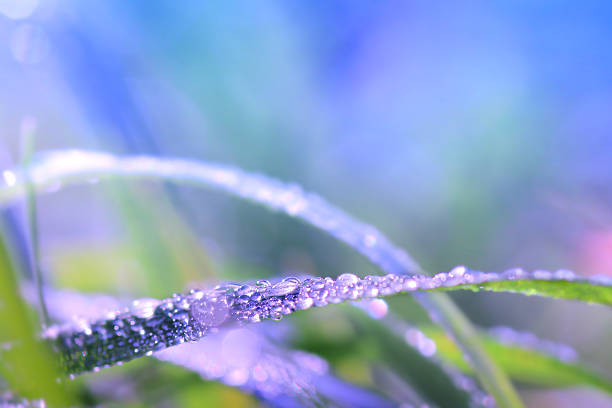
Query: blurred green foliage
x=26, y=363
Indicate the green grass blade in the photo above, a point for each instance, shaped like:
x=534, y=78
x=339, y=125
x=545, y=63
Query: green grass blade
x=523, y=364
x=492, y=376
x=589, y=290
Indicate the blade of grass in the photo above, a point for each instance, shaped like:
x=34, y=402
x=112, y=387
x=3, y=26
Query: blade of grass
x=32, y=220
x=27, y=149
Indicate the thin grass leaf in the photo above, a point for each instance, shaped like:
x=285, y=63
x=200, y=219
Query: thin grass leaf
x=27, y=149
x=32, y=220
x=161, y=240
x=414, y=362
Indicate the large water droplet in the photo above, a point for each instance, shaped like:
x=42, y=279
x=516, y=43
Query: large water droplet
x=210, y=312
x=285, y=287
x=347, y=279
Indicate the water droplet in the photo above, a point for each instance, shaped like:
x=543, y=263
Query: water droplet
x=565, y=274
x=210, y=312
x=348, y=279
x=262, y=284
x=542, y=275
x=285, y=287
x=411, y=284
x=458, y=271
x=144, y=308
x=305, y=303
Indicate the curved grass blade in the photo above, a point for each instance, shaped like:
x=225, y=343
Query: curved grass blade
x=525, y=357
x=427, y=348
x=177, y=249
x=77, y=166
x=416, y=362
x=393, y=384
x=152, y=325
x=535, y=362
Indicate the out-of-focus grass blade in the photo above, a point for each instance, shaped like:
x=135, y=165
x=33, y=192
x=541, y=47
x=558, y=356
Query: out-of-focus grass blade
x=353, y=344
x=522, y=364
x=26, y=364
x=150, y=382
x=109, y=267
x=423, y=374
x=163, y=243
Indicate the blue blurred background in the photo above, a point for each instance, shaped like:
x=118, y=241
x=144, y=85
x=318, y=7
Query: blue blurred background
x=475, y=134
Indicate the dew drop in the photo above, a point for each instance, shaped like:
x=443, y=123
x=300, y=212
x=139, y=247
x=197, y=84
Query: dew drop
x=348, y=279
x=305, y=303
x=285, y=287
x=210, y=312
x=458, y=271
x=411, y=284
x=144, y=308
x=564, y=274
x=262, y=283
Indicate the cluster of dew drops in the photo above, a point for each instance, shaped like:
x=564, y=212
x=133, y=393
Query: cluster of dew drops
x=152, y=325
